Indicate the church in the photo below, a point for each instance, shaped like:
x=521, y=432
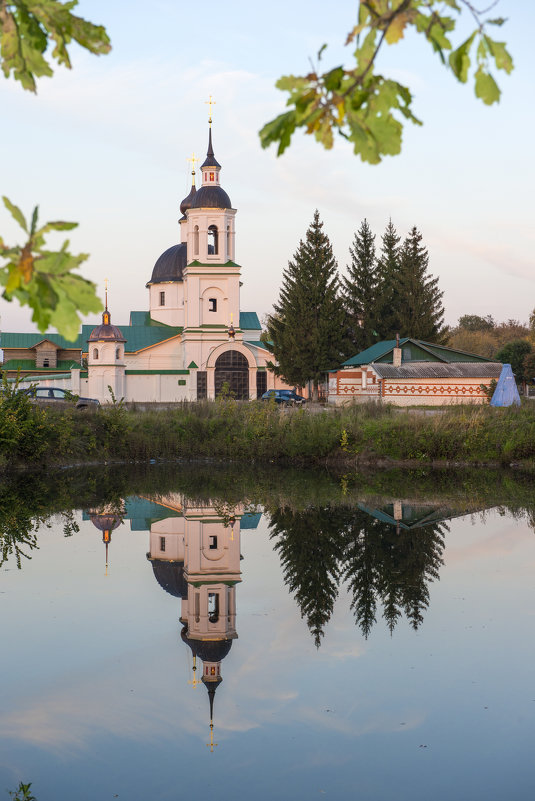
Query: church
x=193, y=342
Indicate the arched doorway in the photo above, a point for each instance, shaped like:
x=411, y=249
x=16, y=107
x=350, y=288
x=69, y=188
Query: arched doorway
x=232, y=368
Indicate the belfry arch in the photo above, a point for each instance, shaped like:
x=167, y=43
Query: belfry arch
x=232, y=368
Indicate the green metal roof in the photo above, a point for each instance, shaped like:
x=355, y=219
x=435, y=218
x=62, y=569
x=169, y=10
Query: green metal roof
x=144, y=318
x=421, y=351
x=138, y=337
x=373, y=353
x=12, y=340
x=249, y=321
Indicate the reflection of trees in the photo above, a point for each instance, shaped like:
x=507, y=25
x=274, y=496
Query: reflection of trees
x=322, y=547
x=310, y=549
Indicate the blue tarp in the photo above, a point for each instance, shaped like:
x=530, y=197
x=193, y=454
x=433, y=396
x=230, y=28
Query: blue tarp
x=506, y=392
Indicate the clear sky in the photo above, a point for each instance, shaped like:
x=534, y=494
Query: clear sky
x=106, y=145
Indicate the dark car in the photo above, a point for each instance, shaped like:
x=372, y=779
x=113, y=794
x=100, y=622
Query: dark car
x=289, y=397
x=45, y=396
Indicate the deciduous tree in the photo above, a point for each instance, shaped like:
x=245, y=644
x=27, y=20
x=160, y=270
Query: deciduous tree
x=41, y=278
x=369, y=109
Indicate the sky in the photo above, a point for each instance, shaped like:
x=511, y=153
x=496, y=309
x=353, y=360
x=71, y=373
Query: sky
x=106, y=144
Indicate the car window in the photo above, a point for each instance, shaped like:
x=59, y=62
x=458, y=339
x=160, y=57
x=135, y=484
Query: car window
x=43, y=393
x=59, y=393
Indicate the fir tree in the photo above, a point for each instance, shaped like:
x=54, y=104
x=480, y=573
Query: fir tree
x=359, y=291
x=306, y=332
x=420, y=299
x=387, y=305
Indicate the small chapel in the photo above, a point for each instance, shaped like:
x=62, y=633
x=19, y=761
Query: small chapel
x=193, y=343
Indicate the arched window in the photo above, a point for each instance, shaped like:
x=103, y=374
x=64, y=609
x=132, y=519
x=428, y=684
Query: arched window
x=229, y=254
x=95, y=353
x=213, y=240
x=117, y=353
x=196, y=241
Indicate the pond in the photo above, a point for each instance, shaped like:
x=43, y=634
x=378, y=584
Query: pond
x=260, y=634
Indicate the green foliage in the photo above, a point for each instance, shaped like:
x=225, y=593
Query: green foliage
x=23, y=427
x=514, y=354
x=361, y=104
x=22, y=793
x=359, y=291
x=40, y=278
x=488, y=340
x=473, y=322
x=44, y=279
x=306, y=331
x=420, y=311
x=28, y=28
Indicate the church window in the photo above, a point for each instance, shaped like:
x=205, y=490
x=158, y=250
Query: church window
x=202, y=386
x=212, y=240
x=162, y=544
x=95, y=353
x=196, y=241
x=211, y=176
x=213, y=542
x=162, y=298
x=212, y=304
x=213, y=607
x=228, y=241
x=117, y=353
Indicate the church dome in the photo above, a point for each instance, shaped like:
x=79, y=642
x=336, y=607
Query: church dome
x=170, y=265
x=211, y=197
x=106, y=521
x=188, y=201
x=170, y=577
x=106, y=332
x=207, y=650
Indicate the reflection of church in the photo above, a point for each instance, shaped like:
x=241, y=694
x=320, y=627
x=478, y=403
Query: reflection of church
x=196, y=558
x=194, y=339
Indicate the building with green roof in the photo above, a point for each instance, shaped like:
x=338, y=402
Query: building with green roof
x=193, y=341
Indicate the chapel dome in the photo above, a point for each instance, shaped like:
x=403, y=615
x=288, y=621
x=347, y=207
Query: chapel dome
x=106, y=332
x=211, y=197
x=170, y=577
x=106, y=521
x=170, y=265
x=188, y=201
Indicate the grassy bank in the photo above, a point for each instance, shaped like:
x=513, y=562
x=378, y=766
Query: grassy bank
x=262, y=432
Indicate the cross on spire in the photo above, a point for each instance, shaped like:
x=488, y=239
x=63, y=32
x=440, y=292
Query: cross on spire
x=211, y=745
x=193, y=161
x=210, y=103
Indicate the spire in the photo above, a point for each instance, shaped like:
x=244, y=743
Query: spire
x=210, y=160
x=106, y=317
x=211, y=686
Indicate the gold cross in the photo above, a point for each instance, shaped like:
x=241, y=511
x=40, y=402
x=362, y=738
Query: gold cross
x=193, y=161
x=210, y=103
x=211, y=745
x=195, y=681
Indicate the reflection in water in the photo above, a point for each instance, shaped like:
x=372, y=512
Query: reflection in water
x=195, y=556
x=107, y=518
x=377, y=552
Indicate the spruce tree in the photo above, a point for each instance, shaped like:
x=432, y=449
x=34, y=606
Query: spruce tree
x=420, y=299
x=387, y=306
x=359, y=291
x=306, y=331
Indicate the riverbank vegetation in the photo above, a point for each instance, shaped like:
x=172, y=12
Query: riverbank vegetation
x=261, y=432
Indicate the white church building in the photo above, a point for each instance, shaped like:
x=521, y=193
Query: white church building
x=193, y=341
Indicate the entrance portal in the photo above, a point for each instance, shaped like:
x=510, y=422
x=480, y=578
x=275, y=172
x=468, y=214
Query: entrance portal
x=231, y=368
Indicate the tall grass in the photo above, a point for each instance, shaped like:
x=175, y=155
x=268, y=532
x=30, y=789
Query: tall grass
x=260, y=431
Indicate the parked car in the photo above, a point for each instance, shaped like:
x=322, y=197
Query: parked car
x=288, y=397
x=45, y=396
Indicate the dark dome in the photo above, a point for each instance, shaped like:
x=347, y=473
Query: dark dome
x=170, y=265
x=211, y=197
x=187, y=202
x=207, y=650
x=170, y=577
x=106, y=331
x=109, y=333
x=106, y=522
